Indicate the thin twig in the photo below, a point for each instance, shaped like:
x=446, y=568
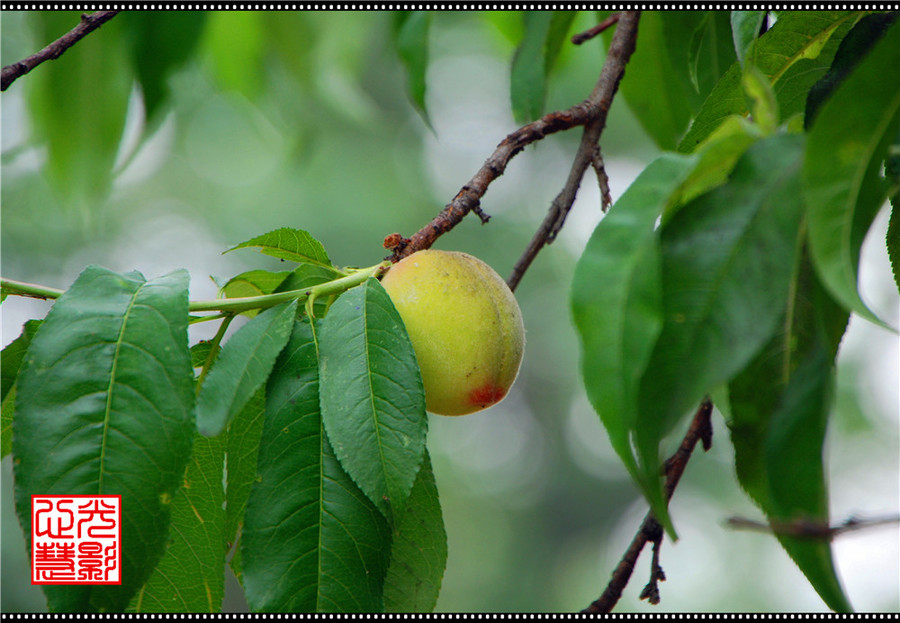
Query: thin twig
x=657, y=575
x=602, y=179
x=88, y=24
x=592, y=109
x=589, y=34
x=620, y=51
x=651, y=531
x=810, y=529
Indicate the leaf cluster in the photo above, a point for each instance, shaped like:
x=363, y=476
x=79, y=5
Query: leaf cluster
x=730, y=269
x=329, y=502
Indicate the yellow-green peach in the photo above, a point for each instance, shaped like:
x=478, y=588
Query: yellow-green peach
x=465, y=326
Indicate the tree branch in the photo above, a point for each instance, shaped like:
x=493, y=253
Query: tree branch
x=651, y=531
x=810, y=529
x=620, y=51
x=589, y=34
x=56, y=49
x=590, y=113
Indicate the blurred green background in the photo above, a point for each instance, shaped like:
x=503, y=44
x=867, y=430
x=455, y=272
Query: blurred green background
x=263, y=120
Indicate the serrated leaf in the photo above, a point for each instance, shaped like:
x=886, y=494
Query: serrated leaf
x=308, y=275
x=616, y=300
x=418, y=551
x=12, y=356
x=242, y=449
x=745, y=27
x=253, y=283
x=200, y=353
x=311, y=541
x=411, y=40
x=371, y=395
x=160, y=42
x=190, y=576
x=7, y=413
x=294, y=245
x=73, y=88
x=796, y=475
x=242, y=367
x=104, y=405
x=892, y=240
x=847, y=146
x=813, y=324
x=793, y=55
x=10, y=361
x=727, y=259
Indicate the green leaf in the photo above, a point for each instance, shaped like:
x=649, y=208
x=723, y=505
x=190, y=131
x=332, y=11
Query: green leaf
x=796, y=475
x=242, y=367
x=235, y=42
x=311, y=541
x=616, y=300
x=411, y=40
x=200, y=353
x=7, y=411
x=542, y=39
x=10, y=362
x=557, y=33
x=727, y=259
x=253, y=283
x=12, y=356
x=710, y=52
x=715, y=158
x=793, y=55
x=190, y=576
x=372, y=399
x=104, y=405
x=853, y=48
x=760, y=99
x=657, y=87
x=91, y=81
x=528, y=78
x=745, y=26
x=419, y=549
x=306, y=276
x=892, y=239
x=160, y=43
x=813, y=324
x=294, y=245
x=242, y=449
x=812, y=321
x=847, y=146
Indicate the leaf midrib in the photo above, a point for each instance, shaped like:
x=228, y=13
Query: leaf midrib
x=112, y=381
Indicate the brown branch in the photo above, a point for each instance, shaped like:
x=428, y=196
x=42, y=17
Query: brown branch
x=810, y=529
x=53, y=51
x=651, y=531
x=589, y=34
x=591, y=112
x=620, y=51
x=602, y=179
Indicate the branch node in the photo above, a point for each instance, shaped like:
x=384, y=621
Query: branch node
x=481, y=214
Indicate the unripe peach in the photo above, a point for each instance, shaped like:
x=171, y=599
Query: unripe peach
x=465, y=326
